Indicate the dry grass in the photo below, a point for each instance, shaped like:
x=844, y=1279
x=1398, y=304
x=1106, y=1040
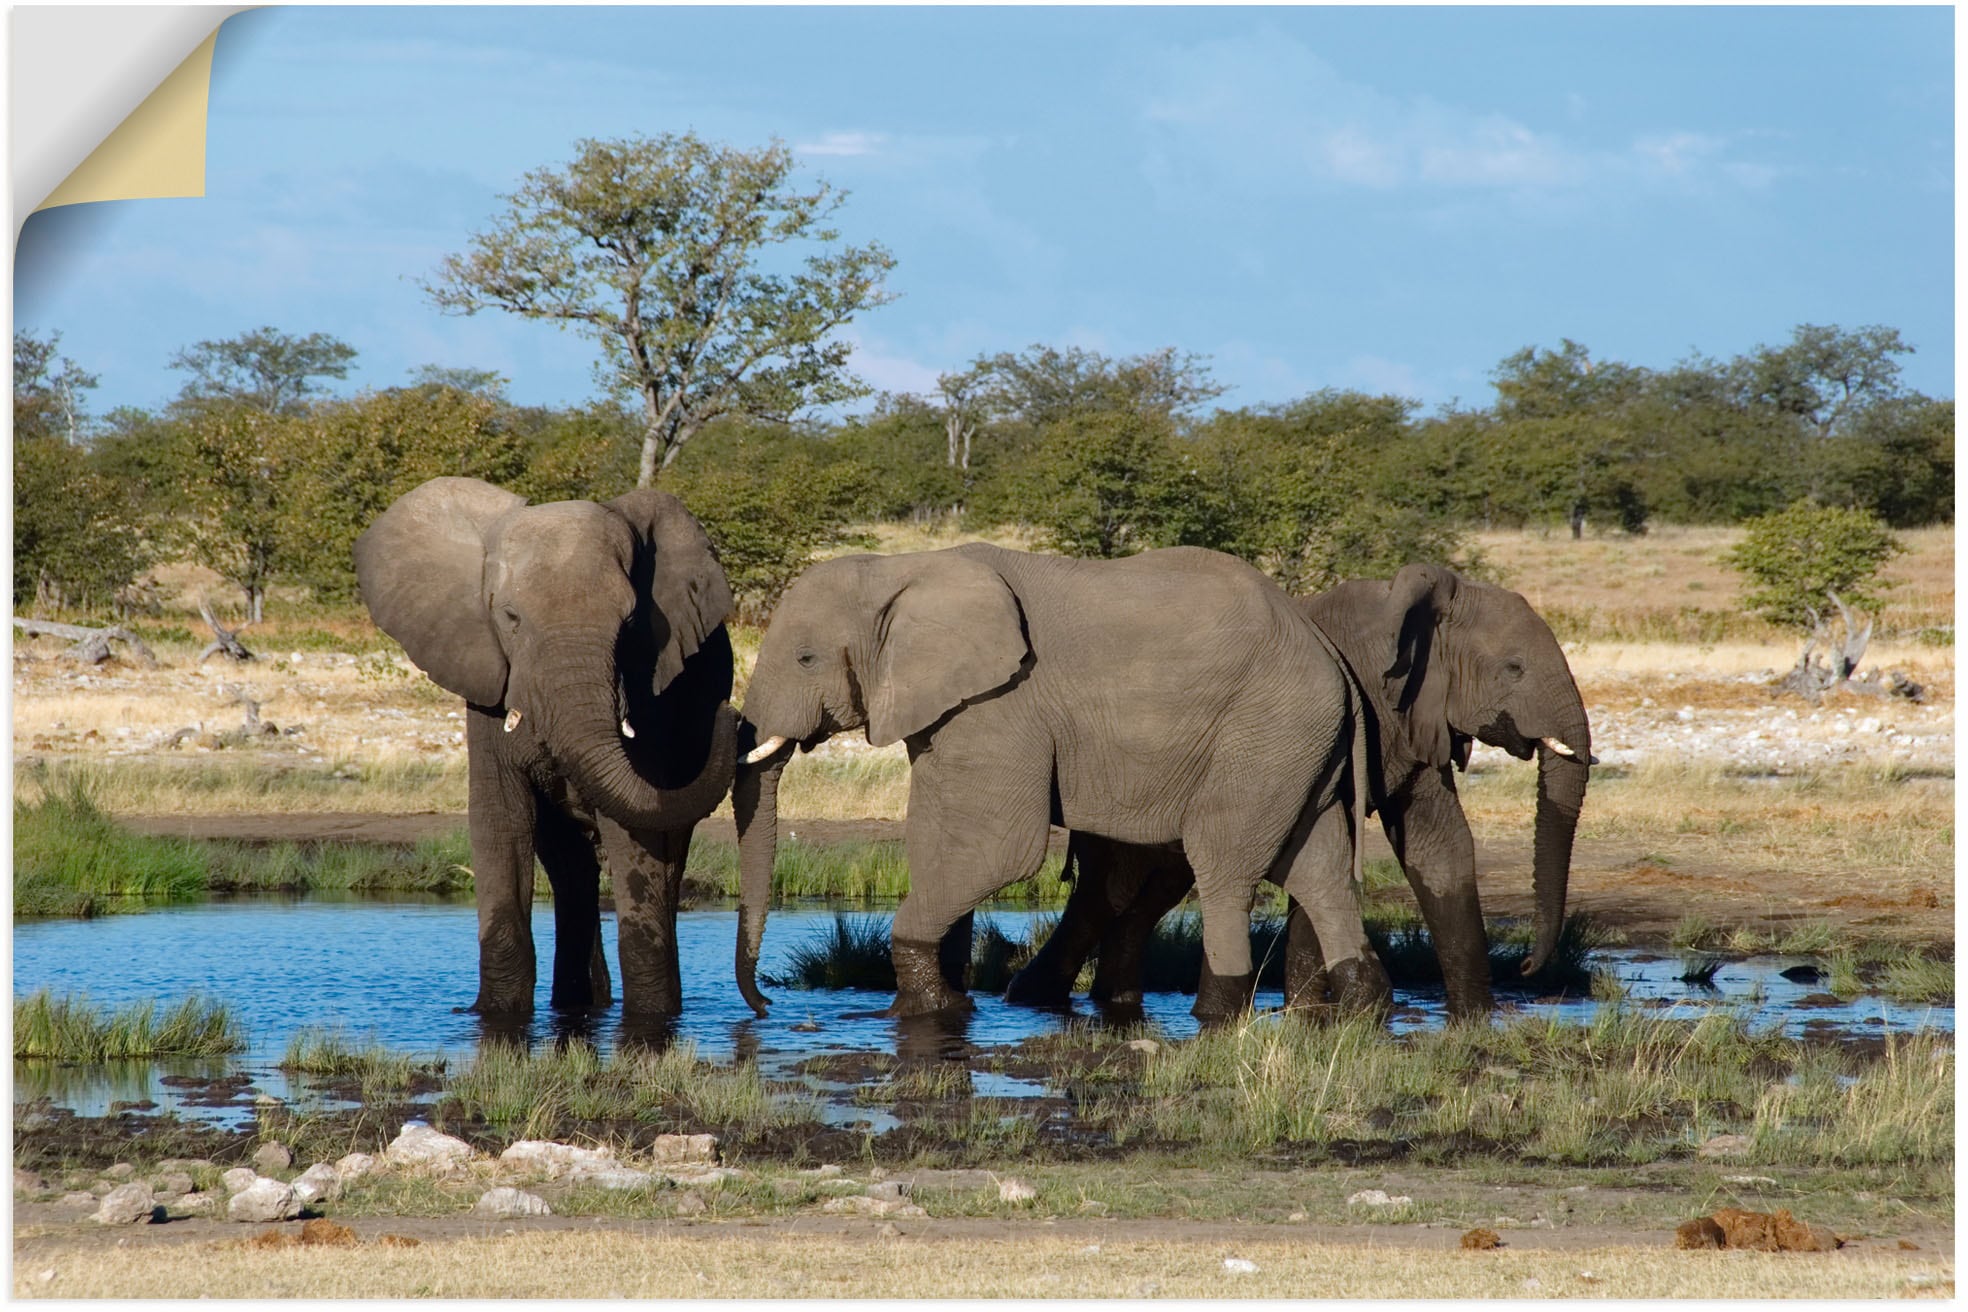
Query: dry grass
x=707, y=1263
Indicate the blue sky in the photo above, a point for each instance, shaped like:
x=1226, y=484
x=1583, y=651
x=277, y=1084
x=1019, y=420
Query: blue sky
x=1390, y=199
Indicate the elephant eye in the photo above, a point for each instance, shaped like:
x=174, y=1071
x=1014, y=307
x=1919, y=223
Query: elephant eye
x=1514, y=668
x=806, y=659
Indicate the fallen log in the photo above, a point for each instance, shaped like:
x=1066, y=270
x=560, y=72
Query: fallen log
x=223, y=639
x=91, y=645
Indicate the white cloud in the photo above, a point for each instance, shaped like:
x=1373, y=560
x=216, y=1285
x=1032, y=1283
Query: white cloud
x=889, y=371
x=844, y=143
x=1373, y=373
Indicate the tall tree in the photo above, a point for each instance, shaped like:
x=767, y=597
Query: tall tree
x=1044, y=385
x=661, y=249
x=271, y=371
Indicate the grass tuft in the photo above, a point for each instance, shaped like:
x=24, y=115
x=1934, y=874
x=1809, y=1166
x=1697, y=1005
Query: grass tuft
x=68, y=1028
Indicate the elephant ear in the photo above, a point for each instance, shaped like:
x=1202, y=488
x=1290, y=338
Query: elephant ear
x=686, y=595
x=421, y=568
x=1417, y=684
x=952, y=632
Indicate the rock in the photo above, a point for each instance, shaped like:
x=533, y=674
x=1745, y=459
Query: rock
x=1241, y=1266
x=1377, y=1198
x=272, y=1157
x=356, y=1165
x=823, y=1172
x=1702, y=1232
x=171, y=1182
x=673, y=1148
x=264, y=1200
x=419, y=1145
x=78, y=1198
x=505, y=1202
x=717, y=1175
x=101, y=1188
x=1299, y=1216
x=197, y=1204
x=860, y=1205
x=889, y=1230
x=239, y=1177
x=318, y=1181
x=1144, y=1046
x=554, y=1159
x=1749, y=1179
x=609, y=1176
x=323, y=1233
x=1016, y=1191
x=1481, y=1240
x=120, y=1171
x=27, y=1182
x=126, y=1204
x=690, y=1203
x=893, y=1191
x=1724, y=1145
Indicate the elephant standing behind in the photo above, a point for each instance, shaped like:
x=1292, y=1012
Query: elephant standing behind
x=1176, y=695
x=1443, y=660
x=588, y=642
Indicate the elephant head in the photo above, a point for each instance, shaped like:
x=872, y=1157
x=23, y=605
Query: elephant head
x=1473, y=661
x=889, y=644
x=569, y=616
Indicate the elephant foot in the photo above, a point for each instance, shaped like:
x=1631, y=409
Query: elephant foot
x=1361, y=986
x=946, y=1002
x=1223, y=998
x=921, y=987
x=1029, y=988
x=502, y=1006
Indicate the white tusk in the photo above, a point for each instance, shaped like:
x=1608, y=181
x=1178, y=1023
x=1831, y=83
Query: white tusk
x=1560, y=748
x=763, y=750
x=627, y=731
x=512, y=719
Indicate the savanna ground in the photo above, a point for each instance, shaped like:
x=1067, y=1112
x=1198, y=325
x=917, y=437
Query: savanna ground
x=1722, y=818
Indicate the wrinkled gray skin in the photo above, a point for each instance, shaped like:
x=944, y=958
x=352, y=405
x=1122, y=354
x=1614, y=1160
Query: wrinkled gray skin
x=1443, y=660
x=558, y=624
x=1172, y=696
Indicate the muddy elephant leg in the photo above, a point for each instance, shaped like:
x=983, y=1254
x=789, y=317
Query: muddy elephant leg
x=1305, y=965
x=964, y=842
x=1100, y=885
x=645, y=869
x=1430, y=836
x=1164, y=879
x=580, y=971
x=501, y=823
x=1319, y=880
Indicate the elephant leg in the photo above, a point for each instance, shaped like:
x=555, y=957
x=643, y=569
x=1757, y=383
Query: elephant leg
x=1047, y=979
x=1305, y=965
x=964, y=842
x=1431, y=838
x=1319, y=880
x=1164, y=880
x=501, y=819
x=580, y=971
x=645, y=869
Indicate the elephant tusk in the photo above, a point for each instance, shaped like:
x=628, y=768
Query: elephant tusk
x=512, y=719
x=764, y=750
x=1560, y=748
x=628, y=731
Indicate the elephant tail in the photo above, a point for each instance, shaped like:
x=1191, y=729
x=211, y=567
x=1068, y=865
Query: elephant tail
x=1359, y=781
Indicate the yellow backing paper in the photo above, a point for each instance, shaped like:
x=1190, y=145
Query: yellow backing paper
x=158, y=151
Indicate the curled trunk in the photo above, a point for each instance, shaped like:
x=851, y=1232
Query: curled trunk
x=583, y=729
x=1560, y=794
x=755, y=806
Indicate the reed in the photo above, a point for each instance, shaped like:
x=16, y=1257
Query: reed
x=69, y=1028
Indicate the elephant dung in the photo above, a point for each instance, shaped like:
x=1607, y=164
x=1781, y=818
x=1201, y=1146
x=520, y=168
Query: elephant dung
x=1702, y=1232
x=1771, y=1232
x=1481, y=1239
x=323, y=1233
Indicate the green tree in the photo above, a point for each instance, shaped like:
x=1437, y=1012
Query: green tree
x=903, y=445
x=588, y=453
x=1044, y=385
x=661, y=249
x=1798, y=559
x=234, y=457
x=265, y=369
x=1107, y=483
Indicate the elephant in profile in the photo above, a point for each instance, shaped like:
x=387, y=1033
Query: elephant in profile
x=588, y=642
x=1173, y=696
x=1443, y=660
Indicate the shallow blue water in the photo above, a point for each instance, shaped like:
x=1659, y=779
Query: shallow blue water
x=395, y=971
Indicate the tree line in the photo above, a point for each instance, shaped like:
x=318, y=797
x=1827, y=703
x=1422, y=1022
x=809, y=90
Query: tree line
x=715, y=285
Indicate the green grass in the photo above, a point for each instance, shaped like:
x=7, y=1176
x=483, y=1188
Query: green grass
x=332, y=1053
x=68, y=1028
x=861, y=871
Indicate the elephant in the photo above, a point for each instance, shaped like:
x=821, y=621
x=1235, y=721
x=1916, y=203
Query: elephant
x=588, y=641
x=1175, y=695
x=1443, y=660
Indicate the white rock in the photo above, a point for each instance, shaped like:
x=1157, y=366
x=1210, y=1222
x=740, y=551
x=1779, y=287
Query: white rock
x=1724, y=1145
x=823, y=1172
x=1144, y=1045
x=272, y=1157
x=239, y=1177
x=354, y=1166
x=669, y=1148
x=318, y=1181
x=697, y=1179
x=419, y=1145
x=126, y=1204
x=265, y=1200
x=196, y=1205
x=1377, y=1198
x=612, y=1177
x=1242, y=1266
x=505, y=1202
x=555, y=1159
x=1016, y=1191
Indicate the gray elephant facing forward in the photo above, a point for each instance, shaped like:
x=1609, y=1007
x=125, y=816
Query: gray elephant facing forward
x=1172, y=696
x=588, y=642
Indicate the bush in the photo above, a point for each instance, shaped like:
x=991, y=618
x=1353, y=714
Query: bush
x=1798, y=558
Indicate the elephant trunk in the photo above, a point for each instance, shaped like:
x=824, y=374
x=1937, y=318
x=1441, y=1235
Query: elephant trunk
x=1561, y=792
x=582, y=725
x=755, y=806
